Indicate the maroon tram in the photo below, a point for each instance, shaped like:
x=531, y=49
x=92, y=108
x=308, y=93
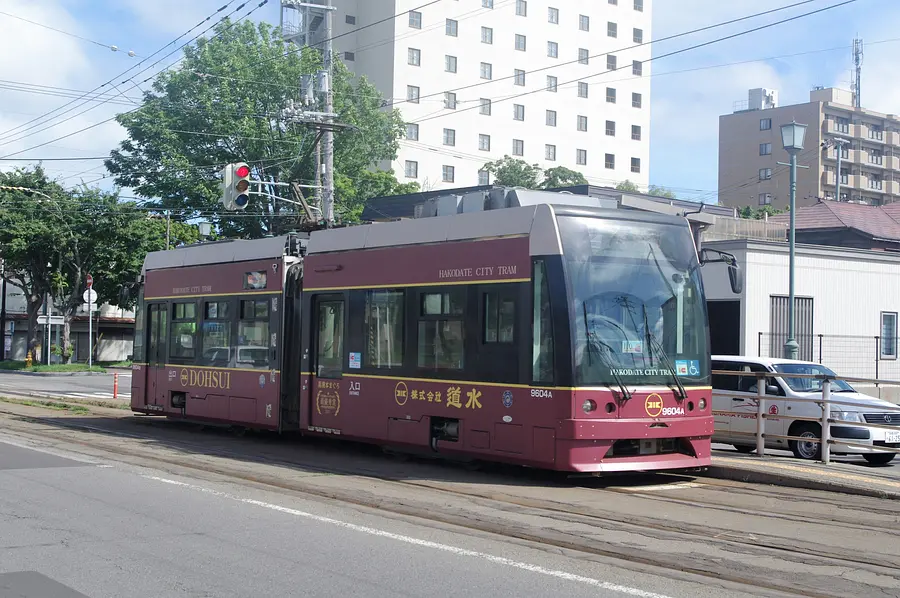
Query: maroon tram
x=559, y=337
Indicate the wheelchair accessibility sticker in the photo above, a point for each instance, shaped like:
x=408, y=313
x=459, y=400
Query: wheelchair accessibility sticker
x=685, y=367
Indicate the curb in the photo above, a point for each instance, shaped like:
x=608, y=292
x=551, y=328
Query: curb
x=52, y=374
x=753, y=475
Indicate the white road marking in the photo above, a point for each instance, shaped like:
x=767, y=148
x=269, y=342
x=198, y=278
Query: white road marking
x=656, y=487
x=499, y=560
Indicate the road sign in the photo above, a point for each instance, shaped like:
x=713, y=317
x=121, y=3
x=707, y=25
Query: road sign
x=90, y=281
x=84, y=307
x=90, y=296
x=54, y=320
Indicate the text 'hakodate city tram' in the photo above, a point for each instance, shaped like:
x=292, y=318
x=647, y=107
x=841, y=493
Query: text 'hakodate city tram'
x=534, y=329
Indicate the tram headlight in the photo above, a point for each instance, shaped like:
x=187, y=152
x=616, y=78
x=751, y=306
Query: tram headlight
x=702, y=404
x=588, y=405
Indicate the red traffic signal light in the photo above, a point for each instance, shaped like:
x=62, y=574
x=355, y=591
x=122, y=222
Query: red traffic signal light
x=242, y=171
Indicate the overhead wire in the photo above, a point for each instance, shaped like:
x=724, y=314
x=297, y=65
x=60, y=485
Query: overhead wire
x=112, y=47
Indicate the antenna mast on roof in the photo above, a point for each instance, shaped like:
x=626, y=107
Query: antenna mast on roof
x=857, y=73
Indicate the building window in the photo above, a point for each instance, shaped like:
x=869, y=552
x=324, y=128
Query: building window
x=612, y=29
x=584, y=57
x=450, y=100
x=876, y=132
x=552, y=50
x=582, y=123
x=518, y=147
x=450, y=137
x=765, y=149
x=487, y=3
x=520, y=42
x=541, y=327
x=765, y=174
x=452, y=28
x=636, y=132
x=350, y=20
x=414, y=57
x=487, y=70
x=411, y=169
x=441, y=325
x=487, y=35
x=638, y=36
x=485, y=107
x=636, y=100
x=522, y=8
x=448, y=173
x=611, y=128
x=582, y=89
x=636, y=165
x=499, y=318
x=845, y=151
x=765, y=124
x=412, y=94
x=349, y=56
x=550, y=152
x=876, y=156
x=384, y=329
x=581, y=157
x=520, y=77
x=584, y=22
x=551, y=83
x=610, y=62
x=183, y=342
x=484, y=143
x=765, y=199
x=609, y=161
x=412, y=131
x=875, y=182
x=888, y=335
x=611, y=95
x=450, y=63
x=551, y=118
x=639, y=5
x=553, y=15
x=637, y=68
x=484, y=177
x=841, y=125
x=518, y=111
x=415, y=19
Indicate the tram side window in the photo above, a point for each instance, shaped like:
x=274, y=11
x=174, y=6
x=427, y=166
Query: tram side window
x=542, y=327
x=441, y=337
x=384, y=329
x=138, y=355
x=217, y=333
x=499, y=318
x=253, y=334
x=183, y=342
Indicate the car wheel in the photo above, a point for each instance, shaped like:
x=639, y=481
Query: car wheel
x=744, y=448
x=879, y=458
x=806, y=449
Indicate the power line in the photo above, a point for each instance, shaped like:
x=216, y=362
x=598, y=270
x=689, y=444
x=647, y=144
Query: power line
x=654, y=58
x=101, y=44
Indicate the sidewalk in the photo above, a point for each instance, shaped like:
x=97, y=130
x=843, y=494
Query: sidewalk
x=846, y=478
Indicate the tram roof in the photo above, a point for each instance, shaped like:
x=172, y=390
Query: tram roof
x=218, y=252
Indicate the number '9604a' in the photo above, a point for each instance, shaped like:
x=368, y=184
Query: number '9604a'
x=540, y=393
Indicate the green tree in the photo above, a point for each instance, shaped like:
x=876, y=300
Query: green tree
x=560, y=176
x=367, y=185
x=661, y=192
x=760, y=212
x=513, y=172
x=628, y=187
x=224, y=104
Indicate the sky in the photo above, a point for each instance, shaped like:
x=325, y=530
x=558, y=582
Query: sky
x=689, y=90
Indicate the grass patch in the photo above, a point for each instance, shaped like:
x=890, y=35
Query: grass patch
x=74, y=409
x=114, y=364
x=19, y=366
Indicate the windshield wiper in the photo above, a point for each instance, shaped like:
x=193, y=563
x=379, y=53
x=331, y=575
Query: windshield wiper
x=626, y=394
x=661, y=353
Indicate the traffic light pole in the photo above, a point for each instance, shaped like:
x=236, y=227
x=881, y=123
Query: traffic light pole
x=328, y=199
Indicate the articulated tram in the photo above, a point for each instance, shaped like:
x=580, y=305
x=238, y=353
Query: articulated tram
x=535, y=332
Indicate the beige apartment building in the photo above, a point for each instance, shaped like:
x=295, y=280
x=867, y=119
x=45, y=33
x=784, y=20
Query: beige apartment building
x=750, y=149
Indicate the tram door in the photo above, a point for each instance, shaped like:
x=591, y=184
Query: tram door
x=329, y=324
x=156, y=353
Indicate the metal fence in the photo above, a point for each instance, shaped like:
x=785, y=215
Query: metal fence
x=855, y=356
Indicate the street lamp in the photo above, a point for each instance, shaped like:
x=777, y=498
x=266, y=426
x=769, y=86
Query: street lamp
x=792, y=138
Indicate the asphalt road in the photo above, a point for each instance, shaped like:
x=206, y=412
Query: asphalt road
x=95, y=386
x=75, y=528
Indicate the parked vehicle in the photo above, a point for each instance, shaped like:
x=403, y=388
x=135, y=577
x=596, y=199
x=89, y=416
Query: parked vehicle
x=735, y=408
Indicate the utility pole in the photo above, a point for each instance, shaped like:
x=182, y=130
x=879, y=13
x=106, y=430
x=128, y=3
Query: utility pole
x=329, y=109
x=857, y=65
x=839, y=146
x=168, y=228
x=3, y=311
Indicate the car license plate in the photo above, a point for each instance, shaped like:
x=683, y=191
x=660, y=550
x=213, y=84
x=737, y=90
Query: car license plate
x=892, y=437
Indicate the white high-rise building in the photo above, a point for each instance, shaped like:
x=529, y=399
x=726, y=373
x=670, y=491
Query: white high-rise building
x=455, y=68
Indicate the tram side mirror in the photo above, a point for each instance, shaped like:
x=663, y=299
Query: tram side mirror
x=735, y=277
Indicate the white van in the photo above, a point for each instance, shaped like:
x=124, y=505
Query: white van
x=734, y=407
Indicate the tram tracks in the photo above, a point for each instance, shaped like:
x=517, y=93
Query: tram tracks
x=663, y=543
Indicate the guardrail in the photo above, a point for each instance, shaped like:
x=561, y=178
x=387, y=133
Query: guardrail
x=825, y=421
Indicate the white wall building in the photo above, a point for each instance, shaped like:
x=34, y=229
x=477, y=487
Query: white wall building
x=592, y=115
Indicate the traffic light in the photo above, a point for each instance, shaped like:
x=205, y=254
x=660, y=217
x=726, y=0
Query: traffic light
x=236, y=185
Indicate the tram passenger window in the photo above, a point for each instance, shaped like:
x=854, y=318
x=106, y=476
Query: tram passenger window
x=184, y=331
x=252, y=349
x=441, y=338
x=217, y=333
x=384, y=329
x=541, y=326
x=499, y=318
x=330, y=341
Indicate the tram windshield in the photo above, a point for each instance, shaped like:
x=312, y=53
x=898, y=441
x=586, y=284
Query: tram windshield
x=640, y=313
